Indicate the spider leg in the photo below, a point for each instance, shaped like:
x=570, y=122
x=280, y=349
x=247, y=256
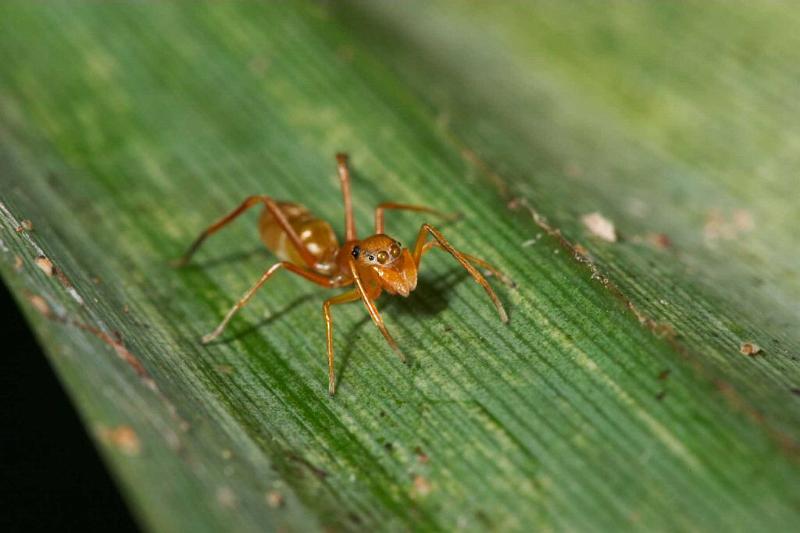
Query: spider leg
x=349, y=296
x=379, y=226
x=369, y=301
x=475, y=260
x=249, y=202
x=344, y=179
x=319, y=279
x=419, y=247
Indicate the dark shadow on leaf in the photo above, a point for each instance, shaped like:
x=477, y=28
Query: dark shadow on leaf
x=348, y=348
x=264, y=322
x=214, y=262
x=431, y=296
x=429, y=299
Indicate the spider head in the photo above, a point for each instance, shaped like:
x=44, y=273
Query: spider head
x=384, y=260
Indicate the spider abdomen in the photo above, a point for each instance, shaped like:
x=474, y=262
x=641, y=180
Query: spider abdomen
x=316, y=235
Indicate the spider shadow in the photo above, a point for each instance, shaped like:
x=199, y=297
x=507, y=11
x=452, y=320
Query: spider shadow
x=432, y=297
x=232, y=257
x=254, y=327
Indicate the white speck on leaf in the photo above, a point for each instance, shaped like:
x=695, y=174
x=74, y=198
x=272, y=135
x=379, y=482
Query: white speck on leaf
x=600, y=226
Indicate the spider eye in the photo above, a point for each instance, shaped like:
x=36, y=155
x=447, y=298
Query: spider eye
x=372, y=258
x=382, y=257
x=356, y=251
x=395, y=250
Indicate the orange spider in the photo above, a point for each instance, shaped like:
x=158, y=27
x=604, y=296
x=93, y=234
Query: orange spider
x=308, y=247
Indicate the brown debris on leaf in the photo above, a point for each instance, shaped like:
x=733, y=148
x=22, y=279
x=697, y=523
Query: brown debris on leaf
x=113, y=339
x=274, y=499
x=749, y=348
x=422, y=457
x=45, y=265
x=660, y=240
x=25, y=225
x=422, y=487
x=664, y=330
x=600, y=226
x=720, y=227
x=581, y=250
x=124, y=438
x=41, y=305
x=226, y=497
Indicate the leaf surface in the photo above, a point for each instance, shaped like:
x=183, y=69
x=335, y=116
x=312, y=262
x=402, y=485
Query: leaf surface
x=615, y=398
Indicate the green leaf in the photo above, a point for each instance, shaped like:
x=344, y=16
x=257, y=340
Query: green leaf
x=616, y=397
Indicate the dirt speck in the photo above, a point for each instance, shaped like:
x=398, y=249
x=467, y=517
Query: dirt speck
x=600, y=226
x=113, y=339
x=718, y=226
x=123, y=438
x=25, y=225
x=274, y=499
x=664, y=374
x=422, y=457
x=226, y=497
x=660, y=396
x=664, y=330
x=795, y=391
x=422, y=487
x=41, y=305
x=581, y=250
x=659, y=240
x=45, y=265
x=750, y=348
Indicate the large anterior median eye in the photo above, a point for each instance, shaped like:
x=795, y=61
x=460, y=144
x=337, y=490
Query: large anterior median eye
x=395, y=251
x=383, y=257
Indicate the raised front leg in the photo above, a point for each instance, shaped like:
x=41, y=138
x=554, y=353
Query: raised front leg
x=369, y=300
x=476, y=261
x=419, y=249
x=379, y=226
x=344, y=180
